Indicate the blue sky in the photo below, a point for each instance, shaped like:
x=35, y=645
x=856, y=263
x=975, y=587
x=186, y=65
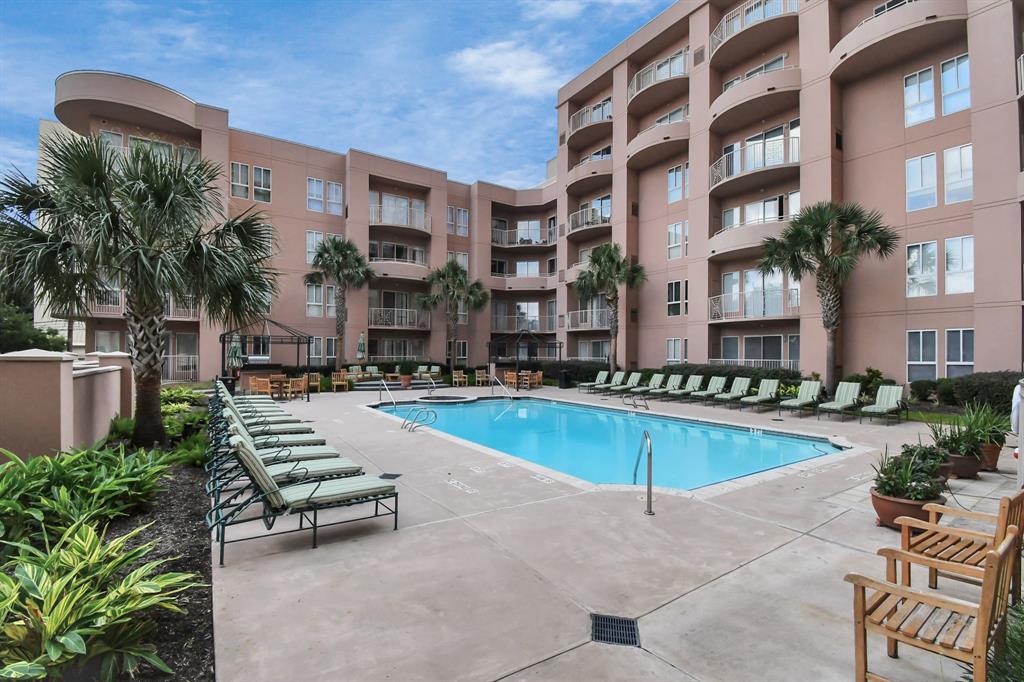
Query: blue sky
x=464, y=86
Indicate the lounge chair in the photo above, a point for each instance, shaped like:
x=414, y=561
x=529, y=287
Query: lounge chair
x=280, y=439
x=888, y=401
x=654, y=383
x=601, y=378
x=421, y=372
x=290, y=471
x=373, y=373
x=632, y=382
x=766, y=392
x=806, y=396
x=693, y=383
x=845, y=399
x=740, y=386
x=673, y=384
x=616, y=381
x=434, y=373
x=715, y=387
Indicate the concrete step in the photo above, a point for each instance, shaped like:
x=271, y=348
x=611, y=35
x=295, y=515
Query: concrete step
x=417, y=384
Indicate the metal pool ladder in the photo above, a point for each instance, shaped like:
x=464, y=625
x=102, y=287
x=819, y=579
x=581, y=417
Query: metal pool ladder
x=384, y=385
x=645, y=441
x=494, y=378
x=419, y=416
x=634, y=400
x=433, y=385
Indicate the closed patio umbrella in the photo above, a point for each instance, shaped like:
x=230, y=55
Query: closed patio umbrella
x=361, y=346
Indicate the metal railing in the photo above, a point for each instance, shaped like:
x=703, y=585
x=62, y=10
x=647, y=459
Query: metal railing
x=496, y=380
x=588, y=358
x=645, y=441
x=748, y=14
x=750, y=76
x=589, y=217
x=755, y=363
x=754, y=156
x=664, y=121
x=181, y=309
x=110, y=302
x=657, y=71
x=397, y=358
x=518, y=323
x=596, y=113
x=180, y=368
x=411, y=261
x=399, y=318
x=415, y=218
x=588, y=319
x=752, y=221
x=384, y=385
x=885, y=8
x=590, y=157
x=1020, y=74
x=754, y=304
x=413, y=420
x=501, y=237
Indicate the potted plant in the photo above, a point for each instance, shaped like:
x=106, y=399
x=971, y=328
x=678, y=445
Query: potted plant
x=903, y=486
x=933, y=459
x=963, y=447
x=989, y=428
x=405, y=370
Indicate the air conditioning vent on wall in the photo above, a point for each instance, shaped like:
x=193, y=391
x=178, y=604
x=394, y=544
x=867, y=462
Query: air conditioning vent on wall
x=561, y=139
x=698, y=56
x=635, y=208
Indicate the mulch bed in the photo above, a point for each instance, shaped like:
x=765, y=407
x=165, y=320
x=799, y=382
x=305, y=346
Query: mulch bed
x=183, y=641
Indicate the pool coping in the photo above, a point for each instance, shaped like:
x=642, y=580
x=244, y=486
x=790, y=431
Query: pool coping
x=847, y=450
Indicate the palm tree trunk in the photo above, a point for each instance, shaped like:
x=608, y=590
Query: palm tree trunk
x=71, y=333
x=613, y=332
x=830, y=295
x=146, y=329
x=340, y=317
x=453, y=323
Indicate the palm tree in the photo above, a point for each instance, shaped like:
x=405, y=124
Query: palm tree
x=154, y=224
x=450, y=286
x=827, y=240
x=337, y=260
x=607, y=271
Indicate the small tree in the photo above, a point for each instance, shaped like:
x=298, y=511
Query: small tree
x=607, y=271
x=337, y=260
x=18, y=333
x=826, y=240
x=451, y=288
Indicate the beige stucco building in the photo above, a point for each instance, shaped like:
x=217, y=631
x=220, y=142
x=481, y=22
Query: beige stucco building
x=687, y=144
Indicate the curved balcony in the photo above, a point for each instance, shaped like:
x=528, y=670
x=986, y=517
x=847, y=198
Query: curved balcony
x=574, y=270
x=541, y=238
x=590, y=124
x=658, y=143
x=659, y=82
x=895, y=35
x=761, y=22
x=398, y=318
x=399, y=268
x=588, y=176
x=756, y=164
x=587, y=320
x=756, y=98
x=523, y=282
x=757, y=304
x=391, y=216
x=744, y=239
x=588, y=223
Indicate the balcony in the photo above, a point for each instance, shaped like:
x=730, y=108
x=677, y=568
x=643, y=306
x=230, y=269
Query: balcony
x=588, y=175
x=590, y=124
x=756, y=164
x=400, y=268
x=540, y=324
x=399, y=318
x=762, y=23
x=514, y=282
x=586, y=320
x=758, y=363
x=523, y=238
x=180, y=369
x=896, y=34
x=658, y=83
x=111, y=304
x=392, y=216
x=575, y=269
x=588, y=220
x=744, y=239
x=756, y=98
x=757, y=304
x=658, y=143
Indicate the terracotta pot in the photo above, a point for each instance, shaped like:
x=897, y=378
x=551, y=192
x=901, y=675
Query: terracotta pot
x=891, y=508
x=990, y=457
x=406, y=380
x=965, y=466
x=945, y=471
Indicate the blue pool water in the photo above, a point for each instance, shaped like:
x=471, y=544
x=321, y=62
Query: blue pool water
x=600, y=445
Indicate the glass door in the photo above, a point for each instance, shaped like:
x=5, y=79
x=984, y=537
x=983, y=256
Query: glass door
x=731, y=292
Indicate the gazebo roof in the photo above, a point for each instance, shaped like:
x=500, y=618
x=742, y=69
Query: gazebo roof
x=278, y=332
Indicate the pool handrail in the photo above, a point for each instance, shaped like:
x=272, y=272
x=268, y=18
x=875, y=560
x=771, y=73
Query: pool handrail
x=494, y=378
x=433, y=385
x=384, y=385
x=645, y=440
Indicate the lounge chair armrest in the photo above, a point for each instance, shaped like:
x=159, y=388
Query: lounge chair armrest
x=964, y=513
x=894, y=554
x=930, y=598
x=910, y=522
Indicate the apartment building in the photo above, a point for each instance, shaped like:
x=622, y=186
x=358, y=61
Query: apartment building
x=687, y=144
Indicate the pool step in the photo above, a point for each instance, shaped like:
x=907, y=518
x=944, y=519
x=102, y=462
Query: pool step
x=417, y=384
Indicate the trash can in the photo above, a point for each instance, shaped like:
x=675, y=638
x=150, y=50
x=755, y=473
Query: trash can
x=229, y=383
x=563, y=379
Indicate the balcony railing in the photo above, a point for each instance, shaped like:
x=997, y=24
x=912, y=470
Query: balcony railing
x=181, y=309
x=683, y=116
x=589, y=358
x=399, y=318
x=759, y=364
x=885, y=8
x=415, y=218
x=110, y=302
x=754, y=156
x=501, y=237
x=754, y=304
x=657, y=71
x=589, y=217
x=587, y=319
x=180, y=368
x=397, y=358
x=751, y=221
x=410, y=261
x=519, y=323
x=588, y=115
x=750, y=76
x=748, y=14
x=1020, y=74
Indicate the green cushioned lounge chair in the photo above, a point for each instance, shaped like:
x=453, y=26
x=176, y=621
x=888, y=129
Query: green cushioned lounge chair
x=374, y=373
x=740, y=386
x=421, y=371
x=601, y=377
x=281, y=439
x=888, y=402
x=845, y=400
x=715, y=386
x=806, y=397
x=262, y=428
x=632, y=382
x=766, y=392
x=261, y=416
x=616, y=381
x=674, y=381
x=693, y=383
x=654, y=383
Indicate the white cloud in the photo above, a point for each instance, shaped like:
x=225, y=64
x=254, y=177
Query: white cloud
x=17, y=154
x=508, y=66
x=563, y=10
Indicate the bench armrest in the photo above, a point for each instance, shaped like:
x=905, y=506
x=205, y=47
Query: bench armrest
x=930, y=598
x=933, y=508
x=909, y=522
x=894, y=554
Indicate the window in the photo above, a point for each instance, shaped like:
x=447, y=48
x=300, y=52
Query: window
x=686, y=350
x=331, y=348
x=458, y=221
x=528, y=268
x=552, y=229
x=498, y=267
x=112, y=140
x=451, y=220
x=918, y=98
x=686, y=297
x=313, y=240
x=959, y=352
x=686, y=237
x=459, y=257
x=731, y=218
x=920, y=355
x=188, y=154
x=334, y=198
x=552, y=266
x=956, y=85
x=675, y=240
x=730, y=348
x=314, y=195
x=260, y=346
x=674, y=296
x=261, y=184
x=108, y=342
x=921, y=191
x=958, y=171
x=332, y=307
x=673, y=351
x=674, y=116
x=159, y=149
x=316, y=350
x=675, y=184
x=239, y=180
x=314, y=300
x=462, y=312
x=461, y=351
x=960, y=265
x=922, y=274
x=686, y=179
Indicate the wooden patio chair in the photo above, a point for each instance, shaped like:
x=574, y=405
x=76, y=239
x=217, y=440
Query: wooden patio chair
x=339, y=379
x=297, y=387
x=510, y=379
x=459, y=378
x=954, y=628
x=524, y=380
x=314, y=381
x=536, y=379
x=481, y=378
x=261, y=386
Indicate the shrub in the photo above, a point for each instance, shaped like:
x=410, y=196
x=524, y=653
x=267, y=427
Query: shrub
x=1005, y=663
x=121, y=429
x=182, y=425
x=325, y=383
x=180, y=394
x=168, y=409
x=993, y=388
x=869, y=382
x=906, y=478
x=192, y=450
x=786, y=377
x=922, y=389
x=945, y=391
x=578, y=370
x=956, y=438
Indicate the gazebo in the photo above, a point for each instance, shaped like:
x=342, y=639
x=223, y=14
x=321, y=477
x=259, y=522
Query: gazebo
x=268, y=331
x=525, y=345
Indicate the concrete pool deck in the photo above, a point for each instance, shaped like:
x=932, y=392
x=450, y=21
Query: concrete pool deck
x=496, y=567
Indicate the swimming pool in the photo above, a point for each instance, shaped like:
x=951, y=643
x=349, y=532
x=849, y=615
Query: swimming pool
x=600, y=445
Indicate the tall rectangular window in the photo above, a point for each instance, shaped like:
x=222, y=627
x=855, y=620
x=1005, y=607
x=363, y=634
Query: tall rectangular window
x=112, y=140
x=108, y=342
x=960, y=265
x=450, y=225
x=686, y=179
x=675, y=240
x=921, y=192
x=331, y=349
x=462, y=222
x=314, y=300
x=459, y=257
x=316, y=351
x=956, y=85
x=686, y=237
x=922, y=270
x=686, y=297
x=261, y=184
x=332, y=307
x=461, y=350
x=918, y=97
x=313, y=239
x=958, y=172
x=314, y=195
x=674, y=298
x=239, y=180
x=921, y=355
x=959, y=352
x=673, y=351
x=675, y=184
x=686, y=350
x=334, y=198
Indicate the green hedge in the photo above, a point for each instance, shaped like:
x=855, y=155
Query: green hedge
x=787, y=377
x=578, y=371
x=993, y=388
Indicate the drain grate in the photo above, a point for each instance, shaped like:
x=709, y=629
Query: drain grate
x=389, y=475
x=614, y=630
